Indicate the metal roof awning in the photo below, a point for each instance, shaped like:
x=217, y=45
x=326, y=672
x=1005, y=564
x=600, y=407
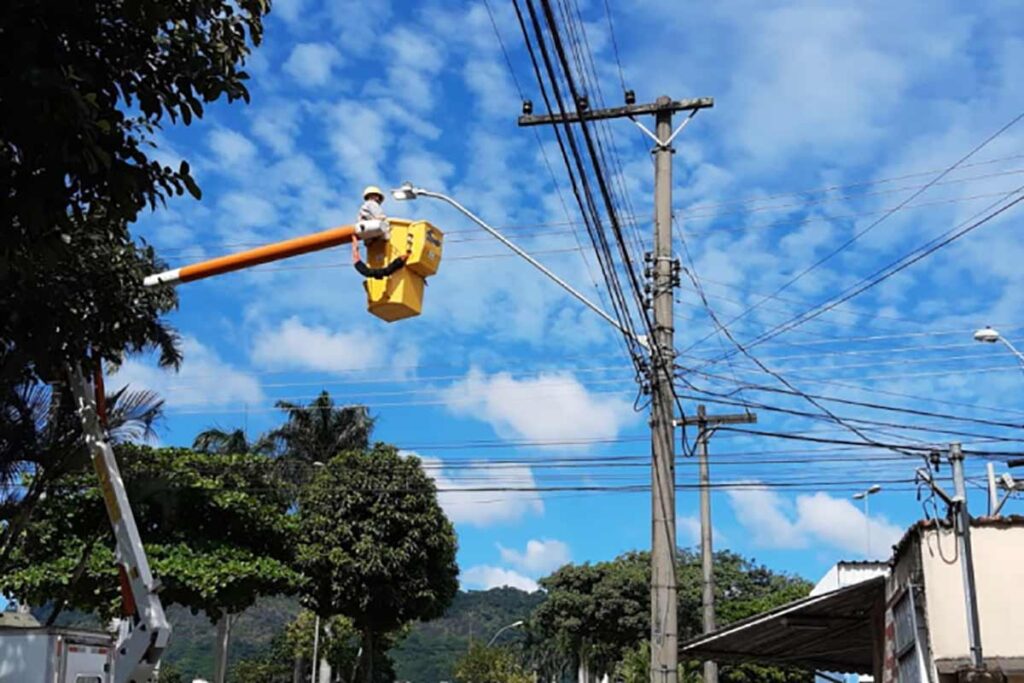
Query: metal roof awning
x=828, y=632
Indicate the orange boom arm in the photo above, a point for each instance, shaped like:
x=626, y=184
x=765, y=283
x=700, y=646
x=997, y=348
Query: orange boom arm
x=253, y=257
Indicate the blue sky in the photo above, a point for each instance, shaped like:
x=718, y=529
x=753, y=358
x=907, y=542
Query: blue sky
x=826, y=116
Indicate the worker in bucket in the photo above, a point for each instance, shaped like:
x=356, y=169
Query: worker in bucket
x=372, y=208
x=372, y=225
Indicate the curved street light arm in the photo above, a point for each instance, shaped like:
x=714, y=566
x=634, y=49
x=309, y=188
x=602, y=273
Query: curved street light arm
x=412, y=192
x=1018, y=354
x=501, y=630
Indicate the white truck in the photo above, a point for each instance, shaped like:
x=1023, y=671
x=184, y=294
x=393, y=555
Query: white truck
x=38, y=654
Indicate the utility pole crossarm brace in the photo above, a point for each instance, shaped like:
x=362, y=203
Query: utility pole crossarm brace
x=667, y=144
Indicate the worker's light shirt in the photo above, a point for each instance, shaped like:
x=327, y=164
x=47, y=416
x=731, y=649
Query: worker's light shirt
x=370, y=210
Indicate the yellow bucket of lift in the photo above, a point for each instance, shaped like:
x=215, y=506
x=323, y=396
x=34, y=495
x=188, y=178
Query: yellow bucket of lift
x=400, y=295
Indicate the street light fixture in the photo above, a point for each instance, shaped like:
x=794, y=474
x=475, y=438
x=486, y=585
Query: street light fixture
x=864, y=495
x=514, y=624
x=407, y=191
x=989, y=335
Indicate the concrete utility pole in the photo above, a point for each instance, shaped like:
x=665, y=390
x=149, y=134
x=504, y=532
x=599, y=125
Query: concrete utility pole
x=957, y=504
x=705, y=428
x=664, y=631
x=963, y=523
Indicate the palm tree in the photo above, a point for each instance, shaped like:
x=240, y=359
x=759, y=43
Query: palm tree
x=41, y=440
x=321, y=430
x=216, y=440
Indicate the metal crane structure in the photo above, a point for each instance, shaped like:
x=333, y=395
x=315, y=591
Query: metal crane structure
x=144, y=631
x=401, y=254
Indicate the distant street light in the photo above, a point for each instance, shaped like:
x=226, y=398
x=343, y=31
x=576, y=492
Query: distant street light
x=864, y=495
x=991, y=336
x=514, y=624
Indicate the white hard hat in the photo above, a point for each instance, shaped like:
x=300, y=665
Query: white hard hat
x=372, y=189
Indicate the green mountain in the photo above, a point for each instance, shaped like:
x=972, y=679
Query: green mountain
x=191, y=648
x=426, y=655
x=429, y=652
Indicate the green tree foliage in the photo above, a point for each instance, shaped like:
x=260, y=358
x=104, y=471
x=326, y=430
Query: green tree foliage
x=86, y=85
x=275, y=665
x=317, y=432
x=484, y=664
x=216, y=440
x=40, y=441
x=375, y=545
x=169, y=674
x=594, y=612
x=291, y=651
x=600, y=613
x=216, y=530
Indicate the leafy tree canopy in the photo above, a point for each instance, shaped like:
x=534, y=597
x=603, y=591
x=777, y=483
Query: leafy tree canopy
x=483, y=664
x=600, y=613
x=216, y=530
x=85, y=85
x=375, y=544
x=40, y=440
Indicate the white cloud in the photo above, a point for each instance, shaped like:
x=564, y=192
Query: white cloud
x=486, y=577
x=291, y=11
x=277, y=125
x=296, y=346
x=775, y=522
x=231, y=148
x=359, y=137
x=310, y=64
x=840, y=77
x=465, y=503
x=488, y=80
x=243, y=210
x=539, y=557
x=840, y=523
x=550, y=406
x=204, y=379
x=416, y=59
x=688, y=530
x=761, y=511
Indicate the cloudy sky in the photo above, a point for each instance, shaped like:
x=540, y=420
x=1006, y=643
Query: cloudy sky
x=826, y=117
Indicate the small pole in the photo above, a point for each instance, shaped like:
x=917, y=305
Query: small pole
x=316, y=648
x=220, y=663
x=705, y=428
x=867, y=526
x=963, y=529
x=706, y=549
x=993, y=492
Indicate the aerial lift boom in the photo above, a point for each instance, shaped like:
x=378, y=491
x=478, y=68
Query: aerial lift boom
x=145, y=631
x=254, y=257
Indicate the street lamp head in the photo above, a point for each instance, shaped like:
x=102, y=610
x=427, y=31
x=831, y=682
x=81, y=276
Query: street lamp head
x=405, y=192
x=874, y=489
x=987, y=334
x=859, y=496
x=517, y=624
